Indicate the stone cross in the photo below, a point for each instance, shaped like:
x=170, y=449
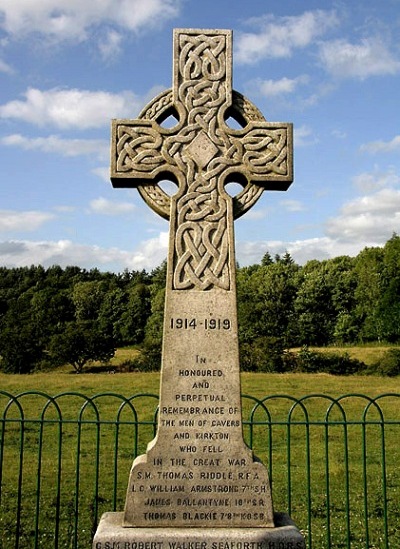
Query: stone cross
x=198, y=470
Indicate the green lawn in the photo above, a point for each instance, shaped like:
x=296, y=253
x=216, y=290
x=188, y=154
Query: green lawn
x=324, y=467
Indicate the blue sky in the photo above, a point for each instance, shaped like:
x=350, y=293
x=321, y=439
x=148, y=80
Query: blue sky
x=67, y=67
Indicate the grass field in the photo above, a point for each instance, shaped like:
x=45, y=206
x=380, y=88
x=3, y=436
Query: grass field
x=101, y=380
x=369, y=354
x=328, y=472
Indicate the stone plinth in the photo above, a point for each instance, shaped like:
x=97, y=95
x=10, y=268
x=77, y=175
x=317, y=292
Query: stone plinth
x=112, y=535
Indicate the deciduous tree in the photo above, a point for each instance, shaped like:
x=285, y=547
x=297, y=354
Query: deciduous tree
x=80, y=343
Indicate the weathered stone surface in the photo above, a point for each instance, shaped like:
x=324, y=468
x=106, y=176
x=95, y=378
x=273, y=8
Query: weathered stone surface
x=111, y=535
x=198, y=472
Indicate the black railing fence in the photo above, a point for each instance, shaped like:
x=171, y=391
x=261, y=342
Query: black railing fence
x=334, y=464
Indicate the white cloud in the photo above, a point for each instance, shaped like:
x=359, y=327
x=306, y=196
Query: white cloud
x=71, y=108
x=385, y=201
x=11, y=221
x=365, y=221
x=256, y=214
x=103, y=173
x=370, y=57
x=301, y=250
x=303, y=136
x=63, y=252
x=110, y=47
x=279, y=36
x=292, y=205
x=322, y=248
x=75, y=19
x=368, y=182
x=109, y=207
x=371, y=218
x=17, y=253
x=272, y=88
x=376, y=147
x=151, y=252
x=97, y=148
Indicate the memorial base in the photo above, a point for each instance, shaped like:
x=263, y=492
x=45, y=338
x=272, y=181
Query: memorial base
x=111, y=534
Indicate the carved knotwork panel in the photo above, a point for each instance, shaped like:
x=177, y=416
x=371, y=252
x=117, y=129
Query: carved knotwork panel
x=128, y=141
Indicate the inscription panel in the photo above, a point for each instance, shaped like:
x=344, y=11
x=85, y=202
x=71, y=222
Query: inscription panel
x=198, y=470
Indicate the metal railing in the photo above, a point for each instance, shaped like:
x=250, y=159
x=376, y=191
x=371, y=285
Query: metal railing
x=333, y=464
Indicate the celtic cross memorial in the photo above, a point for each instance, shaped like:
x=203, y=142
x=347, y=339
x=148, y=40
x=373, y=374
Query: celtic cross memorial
x=198, y=471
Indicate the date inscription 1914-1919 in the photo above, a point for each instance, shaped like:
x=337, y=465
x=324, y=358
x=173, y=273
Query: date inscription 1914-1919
x=206, y=323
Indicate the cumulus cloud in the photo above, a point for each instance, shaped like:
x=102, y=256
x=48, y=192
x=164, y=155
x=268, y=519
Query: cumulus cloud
x=71, y=108
x=17, y=253
x=292, y=205
x=76, y=20
x=62, y=252
x=109, y=207
x=97, y=148
x=111, y=46
x=272, y=88
x=369, y=57
x=369, y=182
x=366, y=221
x=279, y=36
x=376, y=147
x=151, y=252
x=386, y=201
x=303, y=136
x=14, y=221
x=301, y=250
x=370, y=218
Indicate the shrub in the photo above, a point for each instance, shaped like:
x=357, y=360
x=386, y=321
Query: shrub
x=308, y=361
x=128, y=365
x=263, y=354
x=149, y=359
x=388, y=365
x=330, y=363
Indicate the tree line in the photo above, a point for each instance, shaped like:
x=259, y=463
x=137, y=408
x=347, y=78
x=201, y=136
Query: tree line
x=53, y=316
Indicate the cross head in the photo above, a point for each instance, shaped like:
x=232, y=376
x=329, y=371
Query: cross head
x=201, y=154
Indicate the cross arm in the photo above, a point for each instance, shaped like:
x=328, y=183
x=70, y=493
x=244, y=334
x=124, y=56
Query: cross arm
x=267, y=153
x=136, y=152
